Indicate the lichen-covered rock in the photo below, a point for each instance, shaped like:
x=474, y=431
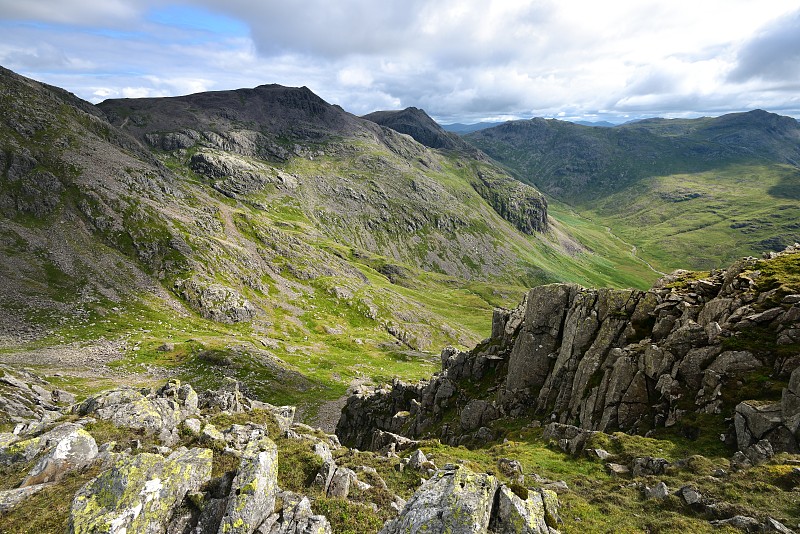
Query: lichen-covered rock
x=75, y=451
x=296, y=517
x=215, y=301
x=252, y=497
x=139, y=493
x=27, y=450
x=515, y=515
x=454, y=500
x=151, y=412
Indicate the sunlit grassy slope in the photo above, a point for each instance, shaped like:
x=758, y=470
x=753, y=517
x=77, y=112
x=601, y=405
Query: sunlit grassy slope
x=706, y=220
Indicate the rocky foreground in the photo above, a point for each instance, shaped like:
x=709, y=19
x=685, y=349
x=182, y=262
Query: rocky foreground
x=181, y=471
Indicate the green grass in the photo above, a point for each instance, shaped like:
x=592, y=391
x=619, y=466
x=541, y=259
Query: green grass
x=738, y=210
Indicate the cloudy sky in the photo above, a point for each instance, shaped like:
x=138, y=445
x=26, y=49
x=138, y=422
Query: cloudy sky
x=460, y=60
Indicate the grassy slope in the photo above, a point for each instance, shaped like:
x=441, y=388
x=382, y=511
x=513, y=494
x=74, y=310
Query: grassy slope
x=706, y=220
x=691, y=194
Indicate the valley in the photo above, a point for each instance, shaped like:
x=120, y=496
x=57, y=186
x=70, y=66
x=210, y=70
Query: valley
x=689, y=193
x=194, y=287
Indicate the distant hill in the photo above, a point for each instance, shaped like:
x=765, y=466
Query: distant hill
x=416, y=123
x=603, y=124
x=692, y=192
x=467, y=128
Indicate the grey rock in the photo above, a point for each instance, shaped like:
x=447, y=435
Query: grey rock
x=659, y=491
x=742, y=522
x=600, y=454
x=618, y=469
x=296, y=517
x=381, y=440
x=648, y=466
x=211, y=434
x=732, y=362
x=193, y=425
x=75, y=451
x=753, y=420
x=227, y=398
x=215, y=301
x=253, y=492
x=569, y=438
x=416, y=459
x=238, y=436
x=139, y=493
x=512, y=469
x=153, y=413
x=690, y=496
x=339, y=485
x=27, y=450
x=773, y=525
x=514, y=515
x=324, y=476
x=453, y=500
x=322, y=450
x=477, y=413
x=10, y=499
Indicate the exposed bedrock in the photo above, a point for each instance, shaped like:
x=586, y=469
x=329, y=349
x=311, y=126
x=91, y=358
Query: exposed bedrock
x=607, y=360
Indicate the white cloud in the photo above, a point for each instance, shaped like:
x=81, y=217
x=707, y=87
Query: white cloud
x=461, y=60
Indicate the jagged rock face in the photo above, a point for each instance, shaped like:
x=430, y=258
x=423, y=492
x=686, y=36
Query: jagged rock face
x=609, y=360
x=518, y=203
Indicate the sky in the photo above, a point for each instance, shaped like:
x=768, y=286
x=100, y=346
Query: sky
x=460, y=60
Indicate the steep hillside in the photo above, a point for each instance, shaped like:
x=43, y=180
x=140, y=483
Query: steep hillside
x=261, y=234
x=688, y=193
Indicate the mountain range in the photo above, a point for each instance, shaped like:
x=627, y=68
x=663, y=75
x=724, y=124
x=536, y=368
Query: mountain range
x=687, y=192
x=373, y=275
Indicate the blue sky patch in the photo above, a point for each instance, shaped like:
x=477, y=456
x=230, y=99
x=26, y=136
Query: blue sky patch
x=196, y=18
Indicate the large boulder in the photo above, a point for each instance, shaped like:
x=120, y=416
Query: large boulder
x=454, y=500
x=252, y=497
x=515, y=515
x=75, y=451
x=152, y=412
x=139, y=494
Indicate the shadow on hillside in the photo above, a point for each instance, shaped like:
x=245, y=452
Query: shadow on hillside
x=788, y=187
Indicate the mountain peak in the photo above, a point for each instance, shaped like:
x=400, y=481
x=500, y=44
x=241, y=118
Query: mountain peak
x=419, y=125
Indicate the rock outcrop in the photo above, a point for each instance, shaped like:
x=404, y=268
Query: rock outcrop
x=460, y=501
x=613, y=360
x=139, y=493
